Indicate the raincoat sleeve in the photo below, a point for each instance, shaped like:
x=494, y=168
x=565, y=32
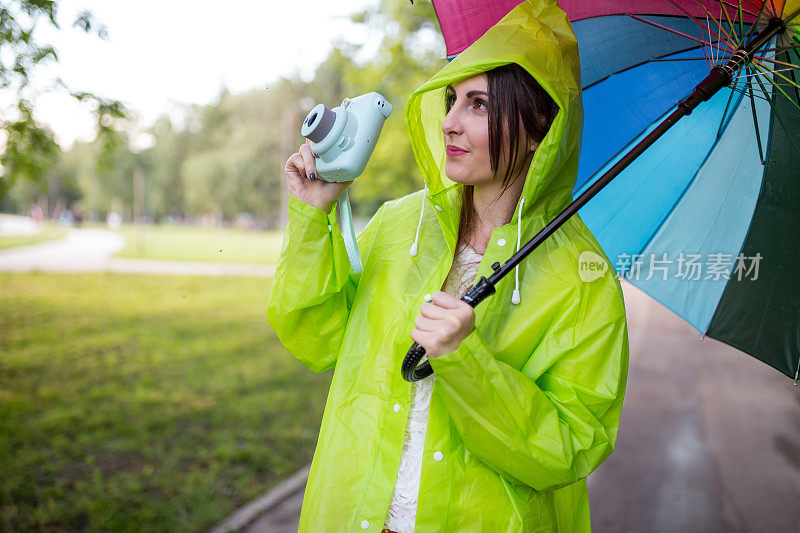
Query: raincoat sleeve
x=549, y=428
x=314, y=284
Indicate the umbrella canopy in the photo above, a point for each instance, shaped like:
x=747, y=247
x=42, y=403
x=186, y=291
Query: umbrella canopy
x=707, y=220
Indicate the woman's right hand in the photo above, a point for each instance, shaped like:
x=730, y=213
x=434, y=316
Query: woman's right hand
x=304, y=184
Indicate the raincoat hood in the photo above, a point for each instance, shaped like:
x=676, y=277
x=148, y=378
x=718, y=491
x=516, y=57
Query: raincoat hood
x=537, y=36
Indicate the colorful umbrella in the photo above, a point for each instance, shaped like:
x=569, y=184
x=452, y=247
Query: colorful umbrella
x=706, y=221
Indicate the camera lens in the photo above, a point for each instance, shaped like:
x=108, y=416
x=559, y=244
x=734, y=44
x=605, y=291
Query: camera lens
x=318, y=123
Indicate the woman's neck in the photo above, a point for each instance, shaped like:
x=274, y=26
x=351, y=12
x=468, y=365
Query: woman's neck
x=493, y=207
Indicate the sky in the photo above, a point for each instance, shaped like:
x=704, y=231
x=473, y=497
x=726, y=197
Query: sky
x=163, y=53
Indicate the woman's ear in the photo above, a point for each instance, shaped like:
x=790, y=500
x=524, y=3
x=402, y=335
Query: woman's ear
x=532, y=146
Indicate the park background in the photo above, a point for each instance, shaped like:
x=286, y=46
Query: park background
x=165, y=402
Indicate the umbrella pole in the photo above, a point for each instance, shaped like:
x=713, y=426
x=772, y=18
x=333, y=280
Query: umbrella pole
x=719, y=77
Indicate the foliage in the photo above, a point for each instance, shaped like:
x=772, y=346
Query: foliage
x=226, y=158
x=233, y=165
x=144, y=403
x=30, y=149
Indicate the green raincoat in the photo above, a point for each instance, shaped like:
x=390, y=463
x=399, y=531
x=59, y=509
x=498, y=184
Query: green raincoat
x=530, y=403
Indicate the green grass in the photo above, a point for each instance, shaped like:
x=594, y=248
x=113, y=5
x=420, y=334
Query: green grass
x=50, y=231
x=190, y=243
x=144, y=403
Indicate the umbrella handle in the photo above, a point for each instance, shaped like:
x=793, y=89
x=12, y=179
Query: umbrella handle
x=410, y=369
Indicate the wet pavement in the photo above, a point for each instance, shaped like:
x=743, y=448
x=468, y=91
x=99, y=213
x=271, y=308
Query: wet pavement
x=709, y=439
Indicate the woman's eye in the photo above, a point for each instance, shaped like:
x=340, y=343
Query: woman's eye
x=480, y=104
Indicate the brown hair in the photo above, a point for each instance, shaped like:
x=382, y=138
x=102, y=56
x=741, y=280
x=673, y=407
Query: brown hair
x=512, y=93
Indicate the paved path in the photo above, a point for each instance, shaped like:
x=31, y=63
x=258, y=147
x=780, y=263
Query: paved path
x=90, y=250
x=709, y=440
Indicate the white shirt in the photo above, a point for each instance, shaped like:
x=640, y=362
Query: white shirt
x=402, y=511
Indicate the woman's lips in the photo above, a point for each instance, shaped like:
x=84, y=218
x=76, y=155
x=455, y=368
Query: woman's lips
x=454, y=151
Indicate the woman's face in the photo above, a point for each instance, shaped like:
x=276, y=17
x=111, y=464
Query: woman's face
x=466, y=132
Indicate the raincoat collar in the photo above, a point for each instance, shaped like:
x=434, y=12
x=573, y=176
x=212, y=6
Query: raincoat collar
x=537, y=36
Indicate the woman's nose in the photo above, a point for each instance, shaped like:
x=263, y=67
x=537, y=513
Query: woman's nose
x=450, y=124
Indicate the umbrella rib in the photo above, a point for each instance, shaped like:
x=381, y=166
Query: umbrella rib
x=725, y=112
x=734, y=38
x=714, y=49
x=676, y=32
x=762, y=68
x=776, y=9
x=755, y=121
x=739, y=6
x=740, y=17
x=720, y=23
x=756, y=92
x=678, y=59
x=778, y=49
x=790, y=69
x=796, y=92
x=754, y=6
x=708, y=24
x=709, y=61
x=792, y=74
x=730, y=24
x=766, y=72
x=771, y=60
x=777, y=115
x=693, y=18
x=743, y=91
x=755, y=23
x=658, y=58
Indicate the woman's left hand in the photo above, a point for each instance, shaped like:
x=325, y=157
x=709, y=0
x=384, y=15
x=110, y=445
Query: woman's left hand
x=443, y=323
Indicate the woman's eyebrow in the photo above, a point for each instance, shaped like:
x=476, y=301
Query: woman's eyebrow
x=473, y=93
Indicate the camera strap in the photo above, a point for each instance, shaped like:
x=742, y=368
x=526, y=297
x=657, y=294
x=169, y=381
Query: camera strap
x=348, y=232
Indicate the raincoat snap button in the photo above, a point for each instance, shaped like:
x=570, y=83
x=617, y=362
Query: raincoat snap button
x=501, y=242
x=329, y=227
x=364, y=524
x=427, y=297
x=396, y=407
x=438, y=207
x=438, y=456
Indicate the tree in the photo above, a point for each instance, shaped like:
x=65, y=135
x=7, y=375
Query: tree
x=170, y=150
x=234, y=165
x=30, y=149
x=410, y=51
x=227, y=157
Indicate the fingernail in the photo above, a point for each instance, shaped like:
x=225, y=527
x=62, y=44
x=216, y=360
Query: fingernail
x=312, y=176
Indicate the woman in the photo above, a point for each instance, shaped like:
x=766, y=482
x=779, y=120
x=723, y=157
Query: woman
x=528, y=387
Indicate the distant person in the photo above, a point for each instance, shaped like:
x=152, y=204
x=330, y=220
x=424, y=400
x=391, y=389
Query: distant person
x=36, y=213
x=526, y=397
x=114, y=220
x=66, y=218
